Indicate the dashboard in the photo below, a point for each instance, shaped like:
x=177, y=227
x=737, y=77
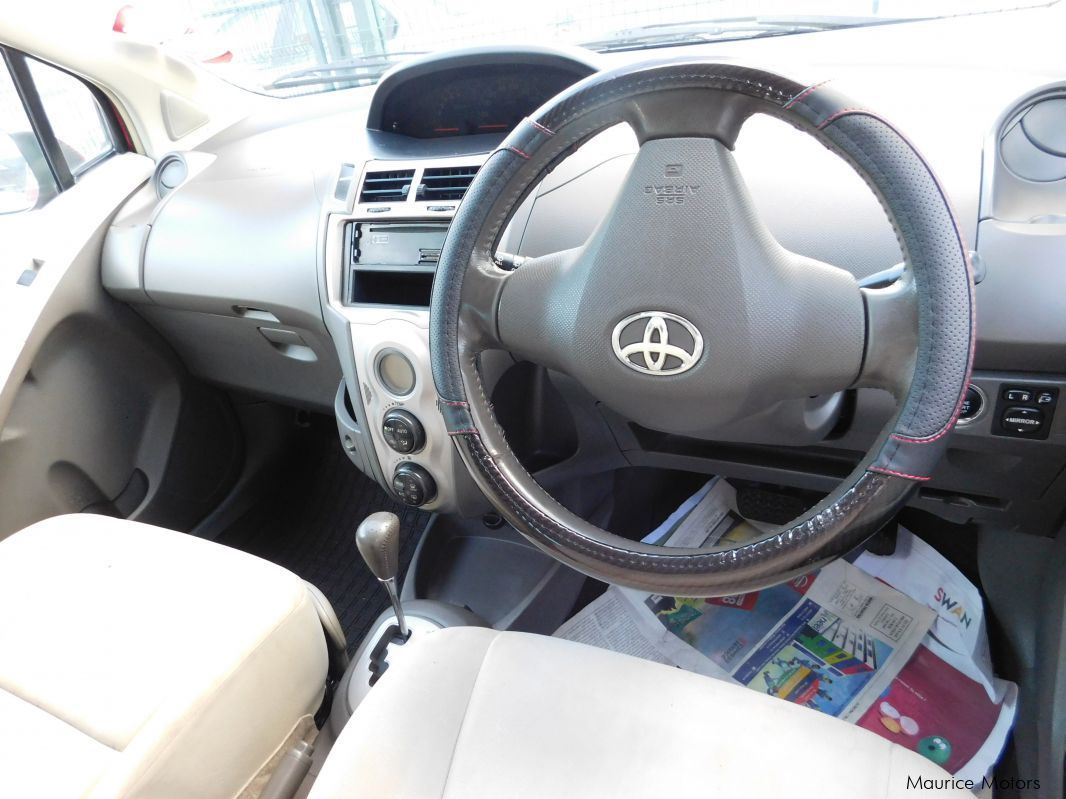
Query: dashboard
x=295, y=260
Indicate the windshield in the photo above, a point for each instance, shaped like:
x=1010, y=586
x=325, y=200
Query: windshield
x=291, y=47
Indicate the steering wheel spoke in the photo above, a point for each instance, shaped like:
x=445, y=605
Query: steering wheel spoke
x=822, y=351
x=532, y=315
x=891, y=336
x=689, y=113
x=483, y=282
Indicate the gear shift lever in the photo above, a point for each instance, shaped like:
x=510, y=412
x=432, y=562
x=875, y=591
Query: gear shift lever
x=378, y=539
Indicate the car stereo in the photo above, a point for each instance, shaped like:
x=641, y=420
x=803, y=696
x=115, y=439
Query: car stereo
x=392, y=263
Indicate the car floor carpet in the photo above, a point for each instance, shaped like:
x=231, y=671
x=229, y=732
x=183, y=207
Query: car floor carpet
x=307, y=525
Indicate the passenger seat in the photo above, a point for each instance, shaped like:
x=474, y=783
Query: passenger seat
x=141, y=662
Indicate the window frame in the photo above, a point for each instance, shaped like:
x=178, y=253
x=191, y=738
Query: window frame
x=18, y=66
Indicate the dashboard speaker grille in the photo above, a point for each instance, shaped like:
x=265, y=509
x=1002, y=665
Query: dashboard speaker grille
x=386, y=187
x=446, y=183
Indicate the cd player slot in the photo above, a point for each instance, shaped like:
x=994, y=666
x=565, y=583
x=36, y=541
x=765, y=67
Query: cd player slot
x=396, y=246
x=392, y=263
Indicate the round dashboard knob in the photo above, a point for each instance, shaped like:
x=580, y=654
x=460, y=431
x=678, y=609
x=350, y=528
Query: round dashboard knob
x=402, y=431
x=413, y=484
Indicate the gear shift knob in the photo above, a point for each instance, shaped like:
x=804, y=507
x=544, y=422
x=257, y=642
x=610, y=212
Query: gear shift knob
x=378, y=539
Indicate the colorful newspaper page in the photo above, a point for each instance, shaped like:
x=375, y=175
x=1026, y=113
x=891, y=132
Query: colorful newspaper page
x=934, y=709
x=830, y=643
x=727, y=629
x=920, y=572
x=950, y=681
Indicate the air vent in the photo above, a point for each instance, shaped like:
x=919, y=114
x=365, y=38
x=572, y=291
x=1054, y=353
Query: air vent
x=170, y=172
x=446, y=183
x=386, y=187
x=1034, y=146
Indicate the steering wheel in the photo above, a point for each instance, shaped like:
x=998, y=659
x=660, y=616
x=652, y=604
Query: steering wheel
x=682, y=311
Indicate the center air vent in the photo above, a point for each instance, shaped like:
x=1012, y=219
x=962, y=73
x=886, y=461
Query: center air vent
x=391, y=186
x=446, y=183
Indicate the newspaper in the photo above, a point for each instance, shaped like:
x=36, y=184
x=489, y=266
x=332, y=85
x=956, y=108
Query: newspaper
x=904, y=655
x=946, y=702
x=919, y=571
x=706, y=518
x=832, y=641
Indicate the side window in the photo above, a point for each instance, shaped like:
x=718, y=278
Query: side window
x=53, y=129
x=26, y=182
x=77, y=119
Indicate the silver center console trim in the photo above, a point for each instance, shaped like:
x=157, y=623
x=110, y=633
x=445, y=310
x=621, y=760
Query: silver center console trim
x=375, y=329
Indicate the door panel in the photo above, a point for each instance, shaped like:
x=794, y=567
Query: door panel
x=92, y=400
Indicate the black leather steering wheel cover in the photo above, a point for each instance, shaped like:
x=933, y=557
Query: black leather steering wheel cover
x=907, y=449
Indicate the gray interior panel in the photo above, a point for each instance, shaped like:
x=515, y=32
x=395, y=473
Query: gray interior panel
x=1022, y=577
x=107, y=422
x=92, y=399
x=239, y=353
x=225, y=271
x=122, y=259
x=222, y=245
x=1021, y=323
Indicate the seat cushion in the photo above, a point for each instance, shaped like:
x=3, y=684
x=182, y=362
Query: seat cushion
x=476, y=713
x=141, y=662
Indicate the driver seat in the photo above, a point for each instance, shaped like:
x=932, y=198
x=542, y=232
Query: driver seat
x=472, y=712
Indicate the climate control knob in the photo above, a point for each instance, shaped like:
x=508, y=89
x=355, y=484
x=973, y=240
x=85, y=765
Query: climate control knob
x=402, y=431
x=413, y=484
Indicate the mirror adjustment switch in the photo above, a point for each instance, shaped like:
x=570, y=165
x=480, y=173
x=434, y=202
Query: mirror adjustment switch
x=1023, y=421
x=1025, y=411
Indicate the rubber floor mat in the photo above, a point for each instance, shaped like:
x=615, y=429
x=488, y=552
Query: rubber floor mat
x=307, y=525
